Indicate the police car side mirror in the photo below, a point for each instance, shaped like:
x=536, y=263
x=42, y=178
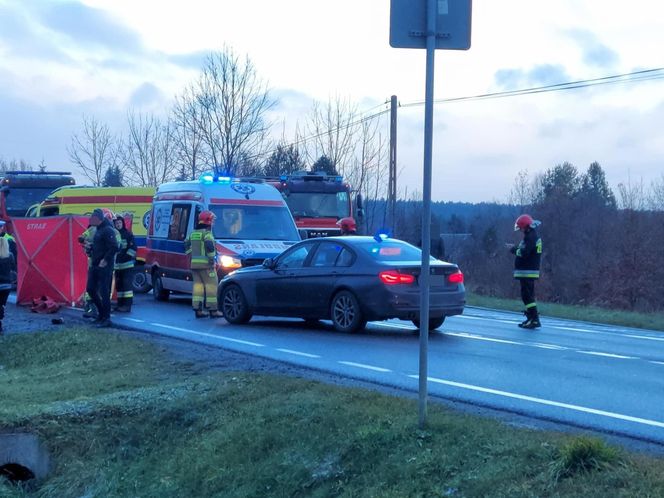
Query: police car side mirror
x=268, y=263
x=304, y=235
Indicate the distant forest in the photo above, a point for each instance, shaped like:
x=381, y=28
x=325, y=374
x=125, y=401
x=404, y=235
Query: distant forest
x=599, y=248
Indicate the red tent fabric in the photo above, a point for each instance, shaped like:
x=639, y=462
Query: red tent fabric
x=51, y=262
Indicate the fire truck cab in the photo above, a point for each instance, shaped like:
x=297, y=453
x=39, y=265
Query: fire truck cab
x=317, y=201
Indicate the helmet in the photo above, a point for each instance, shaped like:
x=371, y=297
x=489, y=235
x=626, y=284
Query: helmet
x=108, y=214
x=347, y=224
x=206, y=217
x=522, y=222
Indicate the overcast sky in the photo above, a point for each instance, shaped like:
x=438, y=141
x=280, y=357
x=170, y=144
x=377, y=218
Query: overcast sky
x=62, y=59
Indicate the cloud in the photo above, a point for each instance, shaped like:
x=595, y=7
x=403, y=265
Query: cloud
x=192, y=60
x=539, y=75
x=594, y=52
x=146, y=95
x=89, y=26
x=20, y=37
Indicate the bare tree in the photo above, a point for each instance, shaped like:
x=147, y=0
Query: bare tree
x=631, y=195
x=331, y=129
x=522, y=192
x=232, y=102
x=93, y=152
x=14, y=165
x=187, y=135
x=147, y=151
x=656, y=200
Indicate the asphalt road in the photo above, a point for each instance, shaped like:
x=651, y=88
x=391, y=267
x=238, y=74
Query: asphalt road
x=605, y=378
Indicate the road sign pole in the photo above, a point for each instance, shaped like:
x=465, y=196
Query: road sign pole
x=426, y=211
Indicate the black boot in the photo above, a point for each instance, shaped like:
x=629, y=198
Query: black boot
x=526, y=320
x=533, y=320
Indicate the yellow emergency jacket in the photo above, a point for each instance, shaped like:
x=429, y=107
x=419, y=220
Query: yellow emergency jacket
x=200, y=246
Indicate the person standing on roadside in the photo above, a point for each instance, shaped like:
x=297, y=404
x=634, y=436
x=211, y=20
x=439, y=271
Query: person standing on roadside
x=7, y=266
x=528, y=255
x=124, y=266
x=104, y=248
x=199, y=245
x=85, y=239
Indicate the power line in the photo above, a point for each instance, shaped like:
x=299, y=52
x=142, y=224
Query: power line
x=636, y=76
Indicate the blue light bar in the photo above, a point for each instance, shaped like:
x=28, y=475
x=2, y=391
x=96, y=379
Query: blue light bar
x=283, y=178
x=224, y=179
x=206, y=177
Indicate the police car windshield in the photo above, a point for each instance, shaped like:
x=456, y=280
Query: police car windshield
x=391, y=251
x=253, y=223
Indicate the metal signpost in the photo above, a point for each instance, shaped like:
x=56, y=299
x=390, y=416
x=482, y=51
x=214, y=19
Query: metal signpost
x=430, y=24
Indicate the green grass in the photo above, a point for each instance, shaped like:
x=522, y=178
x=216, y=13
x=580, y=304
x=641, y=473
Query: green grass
x=121, y=418
x=653, y=321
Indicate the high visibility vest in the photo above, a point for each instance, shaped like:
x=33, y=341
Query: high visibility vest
x=200, y=246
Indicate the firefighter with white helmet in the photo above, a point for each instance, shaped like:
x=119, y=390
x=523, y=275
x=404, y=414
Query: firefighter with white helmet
x=200, y=246
x=528, y=255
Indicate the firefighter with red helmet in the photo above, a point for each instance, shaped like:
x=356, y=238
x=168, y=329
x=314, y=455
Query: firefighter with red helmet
x=347, y=225
x=528, y=255
x=199, y=245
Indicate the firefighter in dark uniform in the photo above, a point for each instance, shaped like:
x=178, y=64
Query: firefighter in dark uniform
x=104, y=247
x=528, y=255
x=124, y=266
x=199, y=245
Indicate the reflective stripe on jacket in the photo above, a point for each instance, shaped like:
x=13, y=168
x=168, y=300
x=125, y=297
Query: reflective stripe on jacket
x=200, y=246
x=528, y=256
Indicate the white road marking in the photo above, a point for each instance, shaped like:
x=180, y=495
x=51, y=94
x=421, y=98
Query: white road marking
x=511, y=322
x=397, y=326
x=619, y=416
x=547, y=346
x=133, y=319
x=657, y=362
x=223, y=338
x=608, y=355
x=574, y=329
x=299, y=353
x=362, y=365
x=483, y=338
x=645, y=337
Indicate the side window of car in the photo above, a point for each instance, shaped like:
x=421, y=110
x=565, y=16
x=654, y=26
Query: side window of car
x=326, y=255
x=295, y=258
x=177, y=229
x=346, y=258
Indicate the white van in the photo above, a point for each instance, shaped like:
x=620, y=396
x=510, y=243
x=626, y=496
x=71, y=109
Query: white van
x=253, y=223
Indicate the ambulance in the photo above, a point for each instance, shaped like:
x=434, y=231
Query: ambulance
x=252, y=223
x=133, y=202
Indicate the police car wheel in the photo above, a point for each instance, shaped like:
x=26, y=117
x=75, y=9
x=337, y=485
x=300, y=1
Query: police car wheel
x=434, y=323
x=346, y=313
x=234, y=305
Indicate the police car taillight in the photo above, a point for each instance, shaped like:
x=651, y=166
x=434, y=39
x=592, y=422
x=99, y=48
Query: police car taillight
x=392, y=277
x=455, y=278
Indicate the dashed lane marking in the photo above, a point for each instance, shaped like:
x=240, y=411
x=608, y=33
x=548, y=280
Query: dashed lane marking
x=583, y=409
x=483, y=338
x=575, y=329
x=298, y=353
x=203, y=334
x=137, y=320
x=657, y=362
x=608, y=355
x=650, y=338
x=367, y=367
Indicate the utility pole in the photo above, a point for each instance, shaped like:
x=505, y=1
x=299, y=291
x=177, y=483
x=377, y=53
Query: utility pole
x=392, y=184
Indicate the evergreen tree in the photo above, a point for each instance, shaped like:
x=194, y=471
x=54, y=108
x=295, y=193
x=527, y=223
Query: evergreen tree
x=284, y=160
x=326, y=165
x=594, y=186
x=113, y=177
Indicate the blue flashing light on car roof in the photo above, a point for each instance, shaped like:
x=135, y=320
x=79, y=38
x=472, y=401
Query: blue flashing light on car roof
x=207, y=177
x=224, y=179
x=283, y=178
x=338, y=179
x=381, y=235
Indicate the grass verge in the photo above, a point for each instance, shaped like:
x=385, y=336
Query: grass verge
x=653, y=321
x=123, y=418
